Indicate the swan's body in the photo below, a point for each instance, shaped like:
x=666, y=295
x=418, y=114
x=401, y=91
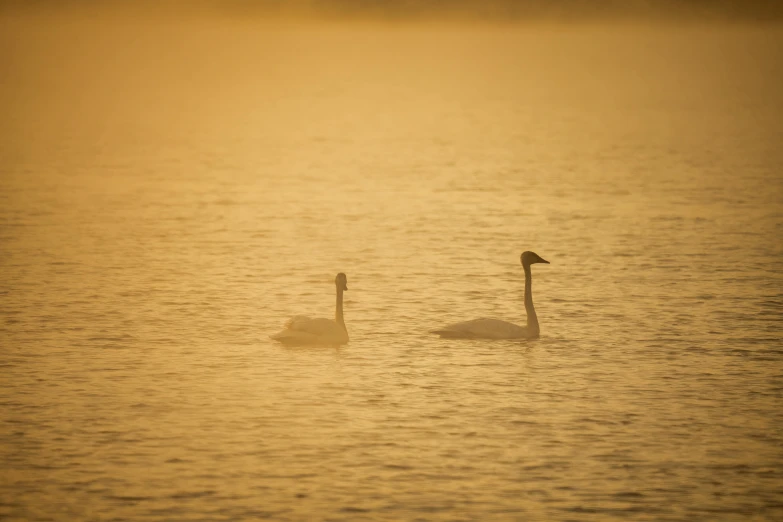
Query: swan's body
x=304, y=330
x=494, y=328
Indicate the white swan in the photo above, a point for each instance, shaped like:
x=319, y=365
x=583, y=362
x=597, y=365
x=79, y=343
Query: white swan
x=303, y=330
x=494, y=328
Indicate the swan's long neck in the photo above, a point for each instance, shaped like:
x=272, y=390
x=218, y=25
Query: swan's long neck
x=532, y=319
x=338, y=313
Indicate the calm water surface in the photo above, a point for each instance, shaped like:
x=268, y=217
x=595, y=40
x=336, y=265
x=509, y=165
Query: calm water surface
x=170, y=193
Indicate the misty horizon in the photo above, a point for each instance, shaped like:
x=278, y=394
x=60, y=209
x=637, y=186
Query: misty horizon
x=491, y=10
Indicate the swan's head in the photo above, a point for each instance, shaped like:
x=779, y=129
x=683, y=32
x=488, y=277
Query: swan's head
x=341, y=281
x=528, y=258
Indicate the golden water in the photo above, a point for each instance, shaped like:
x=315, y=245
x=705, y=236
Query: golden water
x=172, y=191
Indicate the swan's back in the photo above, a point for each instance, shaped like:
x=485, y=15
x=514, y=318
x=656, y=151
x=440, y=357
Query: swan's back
x=304, y=330
x=484, y=329
x=318, y=326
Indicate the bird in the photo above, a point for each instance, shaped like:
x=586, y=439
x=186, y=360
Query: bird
x=495, y=328
x=302, y=330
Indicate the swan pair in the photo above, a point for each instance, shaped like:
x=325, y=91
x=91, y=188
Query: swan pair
x=304, y=330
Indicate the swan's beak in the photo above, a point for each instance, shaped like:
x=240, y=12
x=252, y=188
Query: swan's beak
x=542, y=260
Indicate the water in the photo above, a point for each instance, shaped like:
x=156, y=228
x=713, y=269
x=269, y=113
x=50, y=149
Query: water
x=172, y=192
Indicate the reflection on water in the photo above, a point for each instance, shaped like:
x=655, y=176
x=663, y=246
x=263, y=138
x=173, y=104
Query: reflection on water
x=172, y=193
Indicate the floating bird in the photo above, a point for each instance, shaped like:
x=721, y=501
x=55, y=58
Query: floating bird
x=494, y=328
x=304, y=330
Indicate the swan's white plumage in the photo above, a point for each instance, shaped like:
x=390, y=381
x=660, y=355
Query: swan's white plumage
x=301, y=329
x=483, y=329
x=495, y=328
x=305, y=330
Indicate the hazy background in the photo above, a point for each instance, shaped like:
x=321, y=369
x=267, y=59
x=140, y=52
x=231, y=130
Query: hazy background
x=177, y=179
x=474, y=10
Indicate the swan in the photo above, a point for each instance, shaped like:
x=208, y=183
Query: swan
x=304, y=330
x=494, y=328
